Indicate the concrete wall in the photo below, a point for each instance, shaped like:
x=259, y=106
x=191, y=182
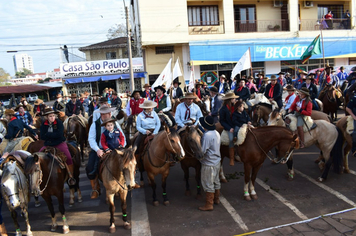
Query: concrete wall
x=100, y=54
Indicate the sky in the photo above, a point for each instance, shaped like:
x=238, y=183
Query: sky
x=39, y=28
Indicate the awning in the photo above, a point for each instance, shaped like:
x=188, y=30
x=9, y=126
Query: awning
x=136, y=75
x=73, y=81
x=110, y=77
x=91, y=79
x=103, y=78
x=29, y=88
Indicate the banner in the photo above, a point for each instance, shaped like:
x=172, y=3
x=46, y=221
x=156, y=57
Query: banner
x=313, y=49
x=165, y=75
x=192, y=78
x=243, y=64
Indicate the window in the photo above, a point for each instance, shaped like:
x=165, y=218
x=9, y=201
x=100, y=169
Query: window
x=110, y=55
x=165, y=50
x=203, y=15
x=245, y=18
x=336, y=10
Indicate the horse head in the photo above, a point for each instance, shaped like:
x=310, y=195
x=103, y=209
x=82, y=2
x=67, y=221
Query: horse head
x=191, y=140
x=286, y=147
x=275, y=118
x=10, y=184
x=127, y=165
x=34, y=171
x=173, y=144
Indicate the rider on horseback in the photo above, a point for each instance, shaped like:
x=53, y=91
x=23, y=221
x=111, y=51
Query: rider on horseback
x=176, y=92
x=147, y=93
x=132, y=107
x=163, y=103
x=313, y=91
x=58, y=105
x=23, y=115
x=274, y=91
x=290, y=98
x=147, y=123
x=74, y=106
x=327, y=78
x=52, y=132
x=303, y=107
x=198, y=90
x=187, y=112
x=39, y=107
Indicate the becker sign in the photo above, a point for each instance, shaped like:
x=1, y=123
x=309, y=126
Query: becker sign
x=282, y=52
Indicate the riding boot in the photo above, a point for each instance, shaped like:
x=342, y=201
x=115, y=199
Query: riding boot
x=71, y=180
x=301, y=136
x=208, y=203
x=232, y=156
x=95, y=188
x=216, y=197
x=3, y=231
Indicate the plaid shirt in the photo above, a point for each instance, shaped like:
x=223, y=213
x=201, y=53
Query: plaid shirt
x=26, y=118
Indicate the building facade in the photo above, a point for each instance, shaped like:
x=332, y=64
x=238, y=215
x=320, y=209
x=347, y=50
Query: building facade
x=210, y=36
x=21, y=61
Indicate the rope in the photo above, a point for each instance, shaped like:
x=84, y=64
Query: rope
x=114, y=176
x=49, y=176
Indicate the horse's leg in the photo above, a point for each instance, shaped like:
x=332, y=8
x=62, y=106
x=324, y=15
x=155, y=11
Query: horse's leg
x=186, y=177
x=82, y=149
x=37, y=202
x=253, y=179
x=198, y=179
x=164, y=179
x=324, y=175
x=123, y=196
x=49, y=203
x=290, y=172
x=347, y=150
x=222, y=175
x=79, y=193
x=151, y=178
x=28, y=226
x=71, y=196
x=247, y=169
x=110, y=198
x=16, y=223
x=320, y=158
x=62, y=211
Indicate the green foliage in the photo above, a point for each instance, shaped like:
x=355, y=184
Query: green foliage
x=116, y=31
x=47, y=79
x=3, y=76
x=23, y=73
x=40, y=81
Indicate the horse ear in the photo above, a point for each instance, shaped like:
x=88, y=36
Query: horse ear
x=119, y=152
x=35, y=157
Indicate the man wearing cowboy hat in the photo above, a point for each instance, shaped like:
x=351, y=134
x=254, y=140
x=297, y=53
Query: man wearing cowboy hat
x=74, y=106
x=58, y=105
x=274, y=91
x=313, y=91
x=23, y=115
x=147, y=93
x=289, y=79
x=176, y=92
x=260, y=77
x=188, y=112
x=264, y=82
x=281, y=79
x=210, y=163
x=290, y=98
x=94, y=105
x=298, y=83
x=15, y=130
x=164, y=104
x=96, y=152
x=132, y=107
x=216, y=102
x=198, y=90
x=303, y=107
x=39, y=107
x=222, y=86
x=116, y=101
x=328, y=78
x=242, y=91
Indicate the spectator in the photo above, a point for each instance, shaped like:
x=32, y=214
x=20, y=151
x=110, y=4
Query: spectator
x=329, y=20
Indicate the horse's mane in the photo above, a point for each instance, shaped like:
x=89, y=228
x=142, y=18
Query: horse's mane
x=30, y=165
x=123, y=156
x=275, y=113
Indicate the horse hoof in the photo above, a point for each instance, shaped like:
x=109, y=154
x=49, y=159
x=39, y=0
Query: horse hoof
x=254, y=197
x=65, y=229
x=53, y=228
x=127, y=225
x=112, y=230
x=166, y=203
x=346, y=171
x=198, y=197
x=223, y=181
x=155, y=203
x=319, y=179
x=247, y=198
x=29, y=233
x=80, y=199
x=18, y=233
x=188, y=193
x=71, y=202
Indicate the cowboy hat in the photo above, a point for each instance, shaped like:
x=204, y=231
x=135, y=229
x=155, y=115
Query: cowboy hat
x=281, y=73
x=59, y=95
x=106, y=109
x=229, y=95
x=48, y=111
x=342, y=68
x=260, y=73
x=199, y=83
x=108, y=121
x=214, y=89
x=273, y=77
x=207, y=122
x=189, y=96
x=223, y=76
x=114, y=93
x=289, y=88
x=176, y=81
x=147, y=85
x=9, y=112
x=310, y=76
x=18, y=106
x=135, y=91
x=160, y=87
x=265, y=79
x=305, y=91
x=205, y=84
x=287, y=73
x=73, y=95
x=38, y=102
x=148, y=104
x=303, y=72
x=103, y=100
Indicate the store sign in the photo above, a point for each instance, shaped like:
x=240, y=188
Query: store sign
x=281, y=52
x=104, y=67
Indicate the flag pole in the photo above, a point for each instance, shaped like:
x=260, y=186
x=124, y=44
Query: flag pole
x=181, y=69
x=322, y=42
x=249, y=51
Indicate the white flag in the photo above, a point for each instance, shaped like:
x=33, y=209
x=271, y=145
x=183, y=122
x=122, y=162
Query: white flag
x=176, y=70
x=165, y=75
x=243, y=64
x=191, y=79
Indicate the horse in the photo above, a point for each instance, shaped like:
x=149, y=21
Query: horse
x=342, y=125
x=129, y=126
x=328, y=138
x=190, y=139
x=47, y=177
x=155, y=159
x=75, y=130
x=14, y=189
x=254, y=149
x=330, y=101
x=118, y=175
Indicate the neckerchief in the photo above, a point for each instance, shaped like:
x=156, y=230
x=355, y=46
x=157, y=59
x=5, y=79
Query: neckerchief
x=270, y=93
x=239, y=89
x=13, y=118
x=148, y=94
x=187, y=112
x=147, y=115
x=158, y=99
x=287, y=98
x=38, y=109
x=231, y=109
x=198, y=93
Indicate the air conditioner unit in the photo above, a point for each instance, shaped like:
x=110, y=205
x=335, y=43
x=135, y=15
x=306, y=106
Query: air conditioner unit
x=308, y=4
x=277, y=3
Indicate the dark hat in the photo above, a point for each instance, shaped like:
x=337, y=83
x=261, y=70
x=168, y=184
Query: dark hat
x=305, y=91
x=18, y=106
x=310, y=76
x=176, y=81
x=108, y=120
x=214, y=89
x=160, y=87
x=328, y=66
x=289, y=88
x=207, y=122
x=281, y=73
x=106, y=109
x=273, y=77
x=48, y=111
x=73, y=95
x=135, y=91
x=103, y=100
x=244, y=79
x=342, y=68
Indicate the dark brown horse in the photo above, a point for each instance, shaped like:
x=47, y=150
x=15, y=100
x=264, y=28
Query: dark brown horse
x=118, y=175
x=254, y=149
x=347, y=138
x=190, y=139
x=330, y=101
x=156, y=159
x=75, y=131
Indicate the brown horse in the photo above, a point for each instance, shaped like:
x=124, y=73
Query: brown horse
x=156, y=159
x=330, y=101
x=118, y=175
x=190, y=139
x=75, y=131
x=342, y=125
x=47, y=179
x=254, y=149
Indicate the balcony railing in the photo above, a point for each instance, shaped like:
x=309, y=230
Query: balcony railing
x=204, y=27
x=333, y=24
x=243, y=26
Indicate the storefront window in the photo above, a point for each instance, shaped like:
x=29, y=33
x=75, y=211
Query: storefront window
x=295, y=67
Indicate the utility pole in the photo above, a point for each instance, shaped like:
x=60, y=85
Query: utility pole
x=128, y=31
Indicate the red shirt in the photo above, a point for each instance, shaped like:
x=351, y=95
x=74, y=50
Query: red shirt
x=134, y=105
x=306, y=108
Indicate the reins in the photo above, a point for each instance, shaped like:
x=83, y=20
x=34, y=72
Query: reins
x=117, y=181
x=164, y=161
x=49, y=176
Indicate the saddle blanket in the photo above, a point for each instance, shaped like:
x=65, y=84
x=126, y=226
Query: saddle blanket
x=241, y=136
x=293, y=124
x=20, y=143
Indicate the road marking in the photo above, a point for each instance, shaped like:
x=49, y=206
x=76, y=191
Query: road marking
x=140, y=223
x=233, y=213
x=352, y=172
x=330, y=190
x=282, y=199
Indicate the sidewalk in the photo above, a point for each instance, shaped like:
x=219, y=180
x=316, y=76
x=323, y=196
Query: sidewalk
x=338, y=223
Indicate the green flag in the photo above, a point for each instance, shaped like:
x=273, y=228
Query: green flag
x=313, y=49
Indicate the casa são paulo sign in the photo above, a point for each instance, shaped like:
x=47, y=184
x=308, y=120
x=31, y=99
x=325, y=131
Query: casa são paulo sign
x=103, y=67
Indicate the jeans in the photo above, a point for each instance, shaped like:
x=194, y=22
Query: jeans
x=232, y=135
x=90, y=169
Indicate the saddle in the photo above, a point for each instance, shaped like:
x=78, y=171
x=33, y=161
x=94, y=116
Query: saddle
x=308, y=120
x=59, y=156
x=241, y=136
x=20, y=156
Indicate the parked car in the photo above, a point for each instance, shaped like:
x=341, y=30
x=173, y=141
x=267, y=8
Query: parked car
x=32, y=97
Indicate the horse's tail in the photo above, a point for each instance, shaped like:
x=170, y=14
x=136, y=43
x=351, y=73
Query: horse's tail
x=337, y=152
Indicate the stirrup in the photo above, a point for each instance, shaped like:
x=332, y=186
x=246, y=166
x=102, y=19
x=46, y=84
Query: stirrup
x=71, y=181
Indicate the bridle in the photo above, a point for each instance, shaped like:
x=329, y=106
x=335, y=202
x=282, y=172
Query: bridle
x=39, y=181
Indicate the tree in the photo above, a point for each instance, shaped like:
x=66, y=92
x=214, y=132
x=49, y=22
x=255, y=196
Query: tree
x=23, y=73
x=3, y=76
x=118, y=30
x=47, y=79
